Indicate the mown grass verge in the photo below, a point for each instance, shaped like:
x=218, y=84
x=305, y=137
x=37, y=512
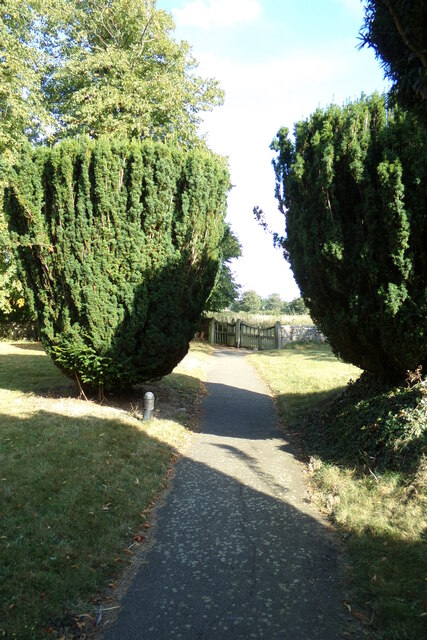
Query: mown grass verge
x=77, y=481
x=366, y=450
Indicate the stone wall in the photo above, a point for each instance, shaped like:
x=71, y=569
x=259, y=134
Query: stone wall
x=299, y=333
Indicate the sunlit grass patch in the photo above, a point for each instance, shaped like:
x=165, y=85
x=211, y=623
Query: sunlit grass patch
x=302, y=376
x=76, y=481
x=383, y=519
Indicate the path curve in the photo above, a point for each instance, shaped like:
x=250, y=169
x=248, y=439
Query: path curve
x=239, y=552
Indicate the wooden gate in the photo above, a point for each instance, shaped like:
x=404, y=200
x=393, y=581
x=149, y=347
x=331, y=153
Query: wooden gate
x=225, y=333
x=240, y=334
x=257, y=338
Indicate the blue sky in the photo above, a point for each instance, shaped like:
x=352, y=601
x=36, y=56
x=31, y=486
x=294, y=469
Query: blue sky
x=278, y=61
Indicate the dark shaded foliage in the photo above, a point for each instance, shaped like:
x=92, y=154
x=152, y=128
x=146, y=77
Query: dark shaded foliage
x=371, y=424
x=396, y=30
x=353, y=189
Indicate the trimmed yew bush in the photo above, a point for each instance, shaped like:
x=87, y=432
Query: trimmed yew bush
x=119, y=244
x=352, y=186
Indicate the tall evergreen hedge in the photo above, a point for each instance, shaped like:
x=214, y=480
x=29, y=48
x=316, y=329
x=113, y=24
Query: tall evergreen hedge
x=352, y=185
x=120, y=246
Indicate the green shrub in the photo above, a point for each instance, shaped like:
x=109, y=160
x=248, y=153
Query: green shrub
x=120, y=246
x=352, y=187
x=374, y=424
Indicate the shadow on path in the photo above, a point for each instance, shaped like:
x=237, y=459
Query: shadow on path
x=239, y=553
x=230, y=562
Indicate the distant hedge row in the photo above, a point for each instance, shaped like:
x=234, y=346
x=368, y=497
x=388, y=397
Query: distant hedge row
x=119, y=244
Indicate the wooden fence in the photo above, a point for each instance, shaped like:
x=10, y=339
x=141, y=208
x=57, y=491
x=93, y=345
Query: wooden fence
x=239, y=334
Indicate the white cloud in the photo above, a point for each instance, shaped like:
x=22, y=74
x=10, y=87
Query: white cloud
x=209, y=14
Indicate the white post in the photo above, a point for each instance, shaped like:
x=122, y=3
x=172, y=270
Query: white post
x=212, y=331
x=238, y=333
x=278, y=335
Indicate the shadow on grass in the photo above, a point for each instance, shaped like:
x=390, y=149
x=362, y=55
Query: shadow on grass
x=73, y=498
x=294, y=406
x=391, y=578
x=298, y=415
x=353, y=428
x=322, y=355
x=349, y=443
x=32, y=372
x=389, y=570
x=72, y=493
x=29, y=346
x=35, y=373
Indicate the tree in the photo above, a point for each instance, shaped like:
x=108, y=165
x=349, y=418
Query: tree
x=116, y=69
x=13, y=306
x=396, y=30
x=23, y=115
x=250, y=302
x=225, y=290
x=274, y=303
x=97, y=67
x=297, y=306
x=23, y=110
x=120, y=243
x=70, y=67
x=352, y=187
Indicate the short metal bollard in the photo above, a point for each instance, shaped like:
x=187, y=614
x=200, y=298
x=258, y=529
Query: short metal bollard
x=148, y=406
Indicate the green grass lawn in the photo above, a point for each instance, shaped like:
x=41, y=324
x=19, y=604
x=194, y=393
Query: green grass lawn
x=376, y=495
x=76, y=481
x=302, y=376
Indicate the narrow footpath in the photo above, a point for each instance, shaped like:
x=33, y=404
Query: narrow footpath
x=239, y=552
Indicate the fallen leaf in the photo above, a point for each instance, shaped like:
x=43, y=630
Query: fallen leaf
x=360, y=616
x=49, y=630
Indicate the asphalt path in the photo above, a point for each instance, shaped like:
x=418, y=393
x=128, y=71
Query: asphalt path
x=239, y=552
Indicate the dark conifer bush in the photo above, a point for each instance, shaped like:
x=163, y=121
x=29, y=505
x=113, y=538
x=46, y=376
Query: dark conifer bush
x=353, y=188
x=120, y=246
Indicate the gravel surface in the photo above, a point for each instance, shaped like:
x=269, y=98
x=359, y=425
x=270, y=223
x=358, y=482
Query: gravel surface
x=239, y=552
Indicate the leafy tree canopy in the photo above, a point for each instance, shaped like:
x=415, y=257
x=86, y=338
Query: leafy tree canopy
x=297, y=306
x=114, y=67
x=226, y=290
x=250, y=302
x=273, y=303
x=97, y=67
x=23, y=108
